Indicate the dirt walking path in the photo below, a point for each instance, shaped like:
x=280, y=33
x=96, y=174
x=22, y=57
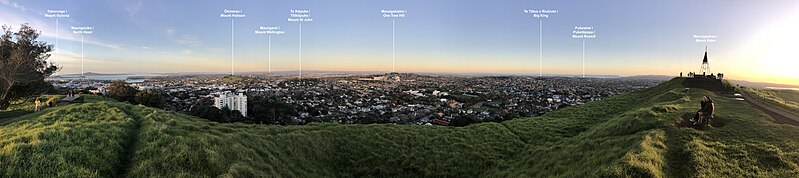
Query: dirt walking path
x=780, y=116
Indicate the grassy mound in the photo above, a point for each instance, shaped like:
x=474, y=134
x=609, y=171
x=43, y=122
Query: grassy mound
x=85, y=140
x=630, y=135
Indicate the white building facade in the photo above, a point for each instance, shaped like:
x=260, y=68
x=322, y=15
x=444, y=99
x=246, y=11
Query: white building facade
x=232, y=102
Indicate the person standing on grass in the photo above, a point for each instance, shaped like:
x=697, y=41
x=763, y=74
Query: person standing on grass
x=37, y=104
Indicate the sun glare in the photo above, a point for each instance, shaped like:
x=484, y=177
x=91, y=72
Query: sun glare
x=776, y=48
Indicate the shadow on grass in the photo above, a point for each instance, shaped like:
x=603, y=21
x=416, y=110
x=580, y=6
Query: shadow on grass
x=685, y=121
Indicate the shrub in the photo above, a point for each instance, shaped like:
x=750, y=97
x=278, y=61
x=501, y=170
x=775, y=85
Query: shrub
x=150, y=98
x=120, y=91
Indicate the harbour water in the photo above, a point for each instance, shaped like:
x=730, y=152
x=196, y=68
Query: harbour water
x=782, y=88
x=130, y=78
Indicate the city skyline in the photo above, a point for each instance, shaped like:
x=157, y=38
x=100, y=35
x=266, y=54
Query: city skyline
x=633, y=38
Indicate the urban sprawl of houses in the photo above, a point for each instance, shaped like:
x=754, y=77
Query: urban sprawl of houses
x=380, y=98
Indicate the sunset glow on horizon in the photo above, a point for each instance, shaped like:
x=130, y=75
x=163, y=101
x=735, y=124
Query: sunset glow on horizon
x=754, y=40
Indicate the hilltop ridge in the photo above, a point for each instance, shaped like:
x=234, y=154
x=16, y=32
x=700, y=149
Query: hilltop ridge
x=629, y=135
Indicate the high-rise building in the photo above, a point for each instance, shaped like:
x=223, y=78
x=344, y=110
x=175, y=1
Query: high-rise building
x=232, y=102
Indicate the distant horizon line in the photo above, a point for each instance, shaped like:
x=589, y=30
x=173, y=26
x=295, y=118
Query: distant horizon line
x=364, y=72
x=760, y=84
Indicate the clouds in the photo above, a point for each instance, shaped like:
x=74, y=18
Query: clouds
x=188, y=40
x=183, y=39
x=95, y=42
x=134, y=8
x=48, y=29
x=15, y=5
x=187, y=52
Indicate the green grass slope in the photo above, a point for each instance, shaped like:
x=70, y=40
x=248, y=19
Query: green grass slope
x=26, y=106
x=629, y=135
x=786, y=100
x=85, y=140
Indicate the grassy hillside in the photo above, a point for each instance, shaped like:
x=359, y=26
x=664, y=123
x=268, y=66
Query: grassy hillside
x=787, y=100
x=86, y=140
x=630, y=135
x=26, y=106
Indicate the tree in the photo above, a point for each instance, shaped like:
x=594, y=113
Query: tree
x=203, y=109
x=150, y=98
x=229, y=116
x=463, y=121
x=23, y=64
x=120, y=91
x=269, y=110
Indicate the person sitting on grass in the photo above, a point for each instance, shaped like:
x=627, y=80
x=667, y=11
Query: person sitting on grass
x=698, y=114
x=705, y=112
x=708, y=113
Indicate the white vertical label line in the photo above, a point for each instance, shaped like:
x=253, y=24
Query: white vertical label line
x=583, y=58
x=232, y=47
x=82, y=73
x=540, y=48
x=56, y=42
x=393, y=49
x=300, y=51
x=270, y=54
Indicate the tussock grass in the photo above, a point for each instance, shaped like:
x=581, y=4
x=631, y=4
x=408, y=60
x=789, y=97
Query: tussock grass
x=78, y=141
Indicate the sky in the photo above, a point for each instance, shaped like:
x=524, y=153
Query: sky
x=755, y=40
